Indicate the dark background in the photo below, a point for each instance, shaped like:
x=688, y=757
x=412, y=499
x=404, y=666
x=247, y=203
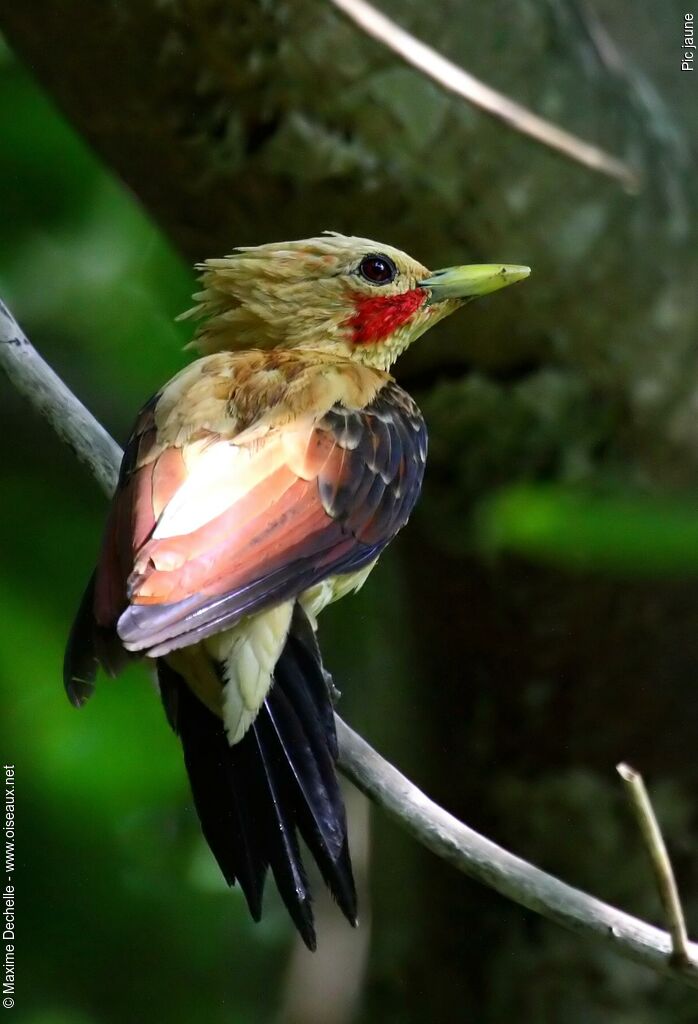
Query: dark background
x=536, y=622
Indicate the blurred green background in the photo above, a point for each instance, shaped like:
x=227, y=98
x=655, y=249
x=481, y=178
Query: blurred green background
x=537, y=621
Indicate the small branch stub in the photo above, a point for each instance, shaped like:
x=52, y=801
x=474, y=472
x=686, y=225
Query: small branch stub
x=661, y=864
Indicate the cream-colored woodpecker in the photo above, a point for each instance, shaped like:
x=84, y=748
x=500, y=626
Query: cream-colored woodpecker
x=260, y=484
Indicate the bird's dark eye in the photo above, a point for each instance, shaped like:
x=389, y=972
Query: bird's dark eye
x=378, y=269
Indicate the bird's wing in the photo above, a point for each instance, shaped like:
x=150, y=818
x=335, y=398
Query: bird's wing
x=208, y=532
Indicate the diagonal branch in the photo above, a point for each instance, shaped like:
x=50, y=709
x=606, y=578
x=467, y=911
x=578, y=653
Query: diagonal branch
x=45, y=390
x=428, y=823
x=463, y=84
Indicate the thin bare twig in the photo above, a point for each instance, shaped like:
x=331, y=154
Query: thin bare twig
x=430, y=824
x=463, y=84
x=661, y=865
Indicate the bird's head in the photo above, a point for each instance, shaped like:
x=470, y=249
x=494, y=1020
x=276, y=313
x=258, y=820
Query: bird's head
x=359, y=298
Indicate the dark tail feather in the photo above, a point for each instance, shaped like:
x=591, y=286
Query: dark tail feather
x=282, y=841
x=253, y=799
x=223, y=805
x=303, y=745
x=88, y=647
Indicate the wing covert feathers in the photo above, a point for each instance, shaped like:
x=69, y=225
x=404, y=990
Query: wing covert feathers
x=316, y=500
x=255, y=798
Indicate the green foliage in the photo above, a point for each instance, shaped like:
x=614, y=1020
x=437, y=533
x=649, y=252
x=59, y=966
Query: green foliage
x=625, y=535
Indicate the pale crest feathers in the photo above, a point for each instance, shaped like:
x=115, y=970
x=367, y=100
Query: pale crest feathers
x=288, y=293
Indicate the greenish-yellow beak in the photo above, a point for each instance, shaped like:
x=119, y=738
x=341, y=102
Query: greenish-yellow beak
x=469, y=282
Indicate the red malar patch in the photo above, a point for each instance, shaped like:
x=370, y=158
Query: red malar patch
x=377, y=316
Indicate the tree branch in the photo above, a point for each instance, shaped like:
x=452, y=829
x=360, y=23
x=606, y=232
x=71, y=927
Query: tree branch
x=430, y=824
x=463, y=84
x=45, y=390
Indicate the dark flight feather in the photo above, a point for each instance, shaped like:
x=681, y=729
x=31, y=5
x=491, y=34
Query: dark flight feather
x=89, y=647
x=80, y=662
